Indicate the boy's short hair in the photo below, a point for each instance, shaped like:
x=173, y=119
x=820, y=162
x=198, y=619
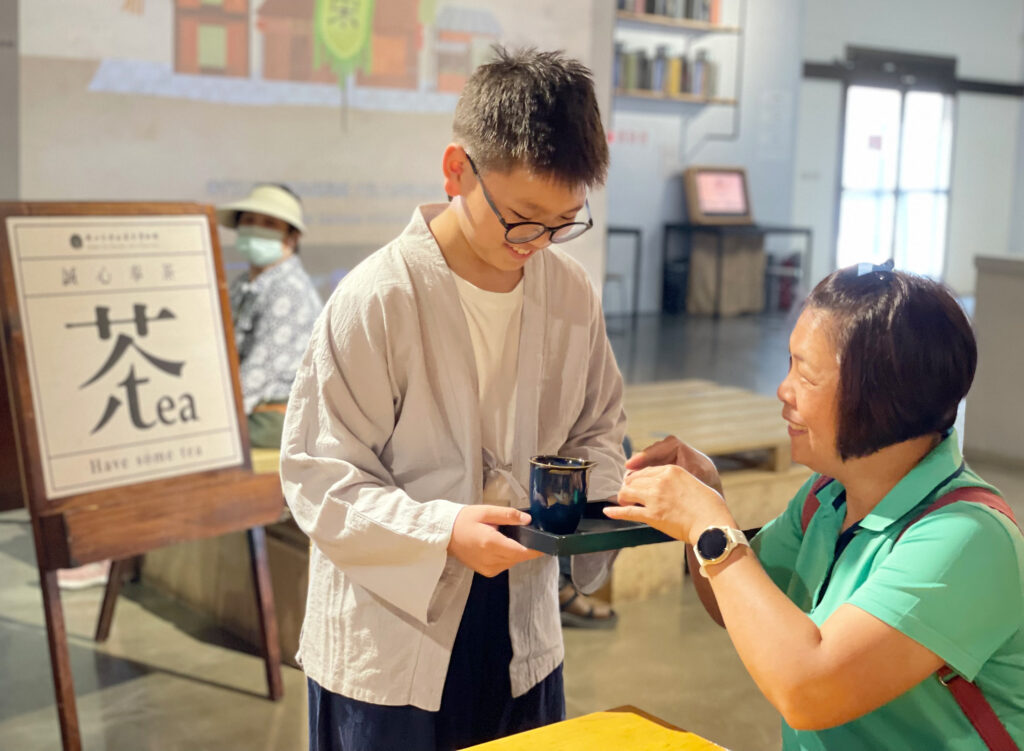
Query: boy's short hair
x=907, y=355
x=534, y=110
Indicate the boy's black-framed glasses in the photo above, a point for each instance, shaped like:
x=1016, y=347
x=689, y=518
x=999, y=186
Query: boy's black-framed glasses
x=517, y=233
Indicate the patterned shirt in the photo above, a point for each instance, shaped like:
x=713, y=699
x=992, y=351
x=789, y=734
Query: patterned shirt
x=273, y=316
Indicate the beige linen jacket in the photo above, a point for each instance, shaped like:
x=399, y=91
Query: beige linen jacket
x=381, y=449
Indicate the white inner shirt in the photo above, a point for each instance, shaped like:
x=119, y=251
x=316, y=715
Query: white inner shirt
x=494, y=322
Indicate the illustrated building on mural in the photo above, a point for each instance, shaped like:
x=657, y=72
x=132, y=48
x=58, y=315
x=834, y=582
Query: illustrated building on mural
x=464, y=37
x=405, y=55
x=211, y=37
x=395, y=42
x=287, y=29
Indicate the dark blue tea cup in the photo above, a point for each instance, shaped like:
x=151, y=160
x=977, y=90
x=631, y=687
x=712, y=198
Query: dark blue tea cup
x=558, y=492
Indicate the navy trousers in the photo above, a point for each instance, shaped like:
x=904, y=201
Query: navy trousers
x=476, y=706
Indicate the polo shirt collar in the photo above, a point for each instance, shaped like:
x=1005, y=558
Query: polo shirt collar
x=934, y=470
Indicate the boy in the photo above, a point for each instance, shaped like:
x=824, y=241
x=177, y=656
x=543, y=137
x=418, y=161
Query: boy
x=441, y=364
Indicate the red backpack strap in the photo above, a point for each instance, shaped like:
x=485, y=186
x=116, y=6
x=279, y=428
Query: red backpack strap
x=977, y=709
x=972, y=494
x=811, y=502
x=968, y=696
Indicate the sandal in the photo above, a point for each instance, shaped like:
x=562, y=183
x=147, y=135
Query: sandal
x=580, y=611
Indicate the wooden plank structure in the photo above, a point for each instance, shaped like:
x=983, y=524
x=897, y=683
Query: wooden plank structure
x=721, y=421
x=83, y=512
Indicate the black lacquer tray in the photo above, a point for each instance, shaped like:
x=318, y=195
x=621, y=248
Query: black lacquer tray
x=596, y=533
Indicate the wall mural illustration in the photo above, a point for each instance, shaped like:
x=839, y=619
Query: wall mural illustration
x=393, y=55
x=349, y=102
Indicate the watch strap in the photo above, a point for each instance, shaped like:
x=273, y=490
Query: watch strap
x=734, y=538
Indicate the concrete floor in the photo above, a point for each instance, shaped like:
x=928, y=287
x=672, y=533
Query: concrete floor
x=170, y=679
x=166, y=679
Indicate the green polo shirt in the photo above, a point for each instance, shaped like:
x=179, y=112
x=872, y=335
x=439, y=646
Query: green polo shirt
x=954, y=583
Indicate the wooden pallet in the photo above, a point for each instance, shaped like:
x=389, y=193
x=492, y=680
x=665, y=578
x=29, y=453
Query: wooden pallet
x=721, y=421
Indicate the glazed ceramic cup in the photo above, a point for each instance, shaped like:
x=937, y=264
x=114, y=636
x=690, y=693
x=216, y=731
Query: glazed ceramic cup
x=558, y=492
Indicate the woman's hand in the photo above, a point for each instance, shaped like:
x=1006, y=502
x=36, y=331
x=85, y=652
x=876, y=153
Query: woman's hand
x=671, y=499
x=673, y=451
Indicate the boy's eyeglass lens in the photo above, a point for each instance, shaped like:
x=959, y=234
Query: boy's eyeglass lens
x=524, y=232
x=529, y=231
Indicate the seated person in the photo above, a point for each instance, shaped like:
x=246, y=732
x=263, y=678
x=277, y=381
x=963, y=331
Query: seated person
x=273, y=304
x=894, y=565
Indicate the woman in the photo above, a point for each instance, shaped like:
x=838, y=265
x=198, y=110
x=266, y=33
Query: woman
x=843, y=609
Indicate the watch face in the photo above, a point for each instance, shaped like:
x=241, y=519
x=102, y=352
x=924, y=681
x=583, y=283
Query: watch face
x=712, y=543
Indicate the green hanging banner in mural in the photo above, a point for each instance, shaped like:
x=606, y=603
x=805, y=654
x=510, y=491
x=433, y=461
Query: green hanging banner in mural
x=342, y=31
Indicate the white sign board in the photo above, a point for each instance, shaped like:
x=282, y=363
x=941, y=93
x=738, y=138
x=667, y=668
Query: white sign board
x=125, y=344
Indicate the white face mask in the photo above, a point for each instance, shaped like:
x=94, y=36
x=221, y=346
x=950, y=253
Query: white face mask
x=260, y=246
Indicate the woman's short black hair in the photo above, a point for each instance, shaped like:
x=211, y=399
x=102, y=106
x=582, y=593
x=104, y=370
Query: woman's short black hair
x=534, y=110
x=907, y=355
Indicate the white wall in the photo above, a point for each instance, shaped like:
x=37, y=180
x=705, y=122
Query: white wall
x=591, y=249
x=985, y=37
x=654, y=141
x=1017, y=207
x=995, y=411
x=95, y=29
x=983, y=178
x=816, y=171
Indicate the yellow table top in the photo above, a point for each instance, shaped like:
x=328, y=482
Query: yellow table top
x=619, y=729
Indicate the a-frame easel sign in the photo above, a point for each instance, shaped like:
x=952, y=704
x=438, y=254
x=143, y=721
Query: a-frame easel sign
x=124, y=429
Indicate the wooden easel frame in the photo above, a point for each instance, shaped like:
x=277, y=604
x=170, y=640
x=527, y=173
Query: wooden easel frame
x=121, y=522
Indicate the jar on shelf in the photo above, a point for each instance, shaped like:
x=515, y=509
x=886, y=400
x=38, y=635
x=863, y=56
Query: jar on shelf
x=710, y=78
x=659, y=67
x=698, y=77
x=617, y=66
x=628, y=77
x=675, y=73
x=643, y=70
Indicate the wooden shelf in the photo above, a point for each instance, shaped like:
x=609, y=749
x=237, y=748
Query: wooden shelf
x=661, y=96
x=675, y=23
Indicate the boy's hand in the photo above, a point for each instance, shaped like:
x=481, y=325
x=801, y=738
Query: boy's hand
x=477, y=543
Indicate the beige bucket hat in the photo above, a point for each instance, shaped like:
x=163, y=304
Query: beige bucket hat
x=264, y=199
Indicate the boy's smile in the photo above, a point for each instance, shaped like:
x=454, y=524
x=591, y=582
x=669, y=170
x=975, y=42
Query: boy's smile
x=520, y=250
